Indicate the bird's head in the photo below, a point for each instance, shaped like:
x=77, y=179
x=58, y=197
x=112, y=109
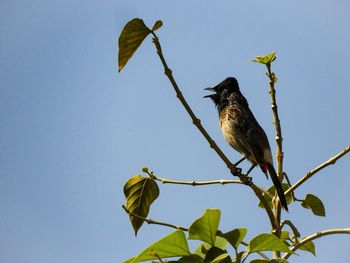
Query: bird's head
x=222, y=91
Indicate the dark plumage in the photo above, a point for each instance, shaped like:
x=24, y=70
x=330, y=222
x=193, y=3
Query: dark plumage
x=242, y=131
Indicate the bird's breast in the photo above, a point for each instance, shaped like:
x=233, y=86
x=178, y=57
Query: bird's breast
x=228, y=124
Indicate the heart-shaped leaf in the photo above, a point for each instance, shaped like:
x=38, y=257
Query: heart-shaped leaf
x=134, y=32
x=205, y=227
x=140, y=192
x=315, y=204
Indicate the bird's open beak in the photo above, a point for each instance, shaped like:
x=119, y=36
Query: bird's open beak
x=211, y=95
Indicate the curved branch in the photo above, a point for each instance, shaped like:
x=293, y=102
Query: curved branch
x=315, y=236
x=233, y=169
x=309, y=174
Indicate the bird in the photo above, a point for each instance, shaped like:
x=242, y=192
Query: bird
x=243, y=132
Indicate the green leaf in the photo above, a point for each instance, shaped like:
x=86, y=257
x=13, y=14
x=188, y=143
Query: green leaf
x=173, y=245
x=140, y=192
x=272, y=191
x=267, y=242
x=315, y=204
x=134, y=32
x=235, y=236
x=267, y=59
x=157, y=25
x=309, y=247
x=205, y=227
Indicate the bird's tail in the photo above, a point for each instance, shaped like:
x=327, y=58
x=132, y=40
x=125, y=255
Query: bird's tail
x=276, y=182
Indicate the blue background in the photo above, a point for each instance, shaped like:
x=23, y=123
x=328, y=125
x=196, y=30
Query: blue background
x=73, y=130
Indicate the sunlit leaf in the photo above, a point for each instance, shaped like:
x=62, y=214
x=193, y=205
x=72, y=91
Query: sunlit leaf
x=134, y=32
x=157, y=25
x=315, y=204
x=140, y=192
x=173, y=245
x=267, y=59
x=235, y=236
x=267, y=242
x=205, y=227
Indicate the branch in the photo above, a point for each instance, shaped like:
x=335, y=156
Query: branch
x=233, y=169
x=315, y=236
x=194, y=183
x=195, y=120
x=150, y=221
x=309, y=174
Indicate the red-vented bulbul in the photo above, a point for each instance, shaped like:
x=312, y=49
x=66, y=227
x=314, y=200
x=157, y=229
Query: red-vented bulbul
x=242, y=131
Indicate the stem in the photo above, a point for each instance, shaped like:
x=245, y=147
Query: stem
x=277, y=123
x=315, y=236
x=233, y=169
x=309, y=174
x=150, y=221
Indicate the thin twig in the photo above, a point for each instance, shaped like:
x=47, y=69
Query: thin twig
x=194, y=183
x=309, y=174
x=150, y=221
x=233, y=169
x=315, y=236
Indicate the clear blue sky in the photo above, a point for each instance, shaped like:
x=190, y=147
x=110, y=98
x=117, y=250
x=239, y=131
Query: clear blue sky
x=73, y=130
